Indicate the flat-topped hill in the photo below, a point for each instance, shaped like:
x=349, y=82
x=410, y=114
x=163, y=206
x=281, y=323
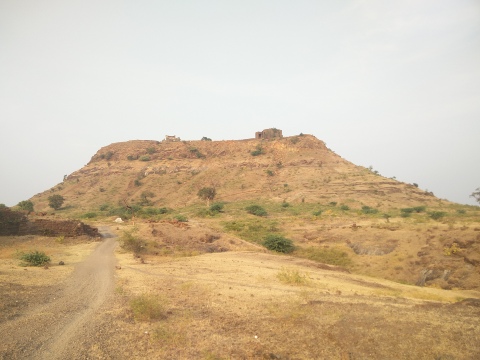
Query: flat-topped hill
x=293, y=169
x=334, y=211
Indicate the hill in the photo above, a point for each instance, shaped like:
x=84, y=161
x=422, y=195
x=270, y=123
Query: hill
x=293, y=169
x=334, y=211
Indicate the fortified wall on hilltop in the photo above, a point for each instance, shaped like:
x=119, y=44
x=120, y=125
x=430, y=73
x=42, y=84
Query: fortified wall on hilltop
x=271, y=133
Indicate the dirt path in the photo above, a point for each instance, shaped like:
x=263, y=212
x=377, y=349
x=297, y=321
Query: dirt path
x=52, y=329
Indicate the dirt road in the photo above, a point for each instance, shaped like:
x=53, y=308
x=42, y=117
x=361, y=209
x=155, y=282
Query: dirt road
x=63, y=320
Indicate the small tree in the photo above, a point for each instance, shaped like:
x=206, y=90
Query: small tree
x=278, y=243
x=55, y=201
x=207, y=193
x=476, y=195
x=26, y=205
x=144, y=197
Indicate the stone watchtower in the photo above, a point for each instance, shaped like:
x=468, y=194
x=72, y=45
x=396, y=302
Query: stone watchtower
x=271, y=133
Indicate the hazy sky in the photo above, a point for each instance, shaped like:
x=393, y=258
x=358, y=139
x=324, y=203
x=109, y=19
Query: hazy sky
x=391, y=84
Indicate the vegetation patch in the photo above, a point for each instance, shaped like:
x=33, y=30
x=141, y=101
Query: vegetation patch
x=34, y=258
x=256, y=210
x=258, y=151
x=148, y=307
x=133, y=243
x=252, y=230
x=278, y=243
x=331, y=256
x=369, y=210
x=437, y=215
x=89, y=215
x=292, y=277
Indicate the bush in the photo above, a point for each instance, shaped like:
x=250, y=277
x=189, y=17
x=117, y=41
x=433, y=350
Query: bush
x=151, y=150
x=207, y=193
x=406, y=212
x=216, y=208
x=144, y=158
x=89, y=215
x=34, y=258
x=147, y=307
x=104, y=207
x=206, y=139
x=419, y=209
x=369, y=210
x=132, y=243
x=256, y=210
x=258, y=151
x=278, y=243
x=285, y=204
x=55, y=201
x=317, y=213
x=344, y=207
x=437, y=215
x=181, y=218
x=26, y=205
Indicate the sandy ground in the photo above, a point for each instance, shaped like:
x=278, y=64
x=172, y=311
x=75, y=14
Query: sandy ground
x=228, y=305
x=55, y=325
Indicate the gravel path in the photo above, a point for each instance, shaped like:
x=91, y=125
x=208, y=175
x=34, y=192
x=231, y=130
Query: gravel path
x=63, y=321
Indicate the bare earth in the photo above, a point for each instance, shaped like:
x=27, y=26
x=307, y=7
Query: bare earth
x=56, y=327
x=228, y=305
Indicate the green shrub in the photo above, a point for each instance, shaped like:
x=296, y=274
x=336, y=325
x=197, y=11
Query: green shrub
x=258, y=151
x=206, y=139
x=317, y=213
x=461, y=211
x=278, y=243
x=144, y=158
x=151, y=150
x=344, y=207
x=55, y=201
x=89, y=215
x=181, y=218
x=256, y=210
x=216, y=207
x=137, y=182
x=285, y=204
x=103, y=207
x=419, y=209
x=406, y=212
x=26, y=205
x=332, y=203
x=207, y=193
x=147, y=307
x=369, y=210
x=132, y=243
x=34, y=258
x=437, y=215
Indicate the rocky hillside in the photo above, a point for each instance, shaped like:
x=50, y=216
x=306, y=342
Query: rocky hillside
x=334, y=211
x=293, y=169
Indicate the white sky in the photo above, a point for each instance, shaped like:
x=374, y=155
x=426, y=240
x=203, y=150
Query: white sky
x=392, y=84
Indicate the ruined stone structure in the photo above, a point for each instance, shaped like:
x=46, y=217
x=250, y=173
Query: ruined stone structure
x=15, y=223
x=271, y=133
x=169, y=138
